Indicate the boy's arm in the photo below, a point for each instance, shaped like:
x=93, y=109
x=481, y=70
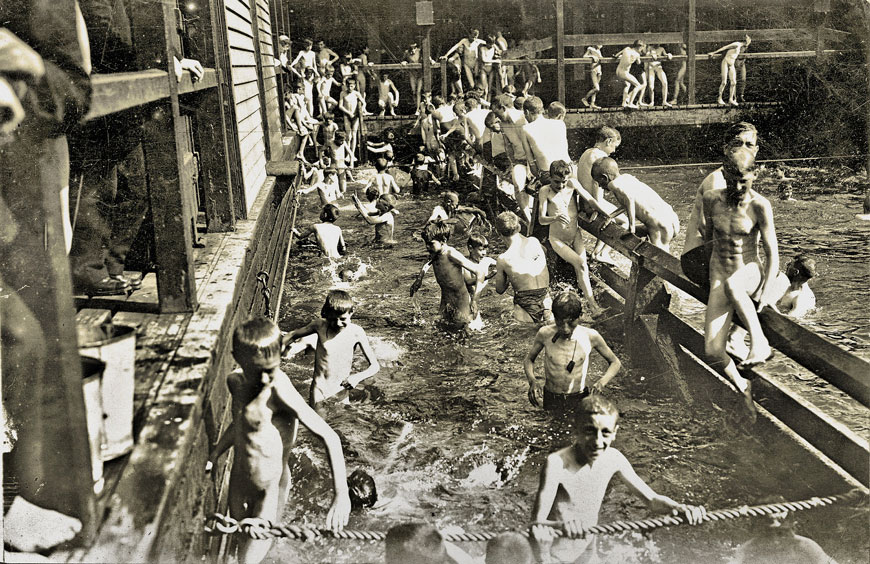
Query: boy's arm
x=543, y=217
x=296, y=334
x=614, y=365
x=342, y=247
x=771, y=251
x=733, y=45
x=339, y=511
x=548, y=485
x=367, y=351
x=530, y=156
x=355, y=199
x=501, y=280
x=418, y=281
x=224, y=443
x=589, y=199
x=394, y=184
x=656, y=502
x=535, y=389
x=461, y=260
x=306, y=232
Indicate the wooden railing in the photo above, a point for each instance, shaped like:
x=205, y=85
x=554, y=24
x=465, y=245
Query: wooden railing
x=826, y=360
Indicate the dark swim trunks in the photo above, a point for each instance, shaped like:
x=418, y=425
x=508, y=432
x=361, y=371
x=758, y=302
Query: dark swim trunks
x=696, y=265
x=563, y=402
x=532, y=301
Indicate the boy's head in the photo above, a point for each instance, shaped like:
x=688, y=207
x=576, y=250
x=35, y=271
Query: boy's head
x=519, y=102
x=507, y=224
x=739, y=170
x=460, y=109
x=309, y=72
x=340, y=137
x=380, y=164
x=420, y=159
x=329, y=213
x=473, y=34
x=257, y=344
x=307, y=43
x=472, y=101
x=362, y=489
x=492, y=122
x=351, y=83
x=329, y=174
x=438, y=101
x=639, y=45
x=556, y=110
x=337, y=309
x=741, y=134
x=372, y=193
x=533, y=106
x=595, y=427
x=449, y=200
x=436, y=234
x=385, y=203
x=509, y=548
x=801, y=269
x=417, y=543
x=604, y=170
x=384, y=76
x=477, y=245
x=567, y=309
x=559, y=173
x=607, y=139
x=329, y=117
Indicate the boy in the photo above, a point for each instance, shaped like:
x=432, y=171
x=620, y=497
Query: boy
x=628, y=57
x=329, y=129
x=475, y=282
x=728, y=71
x=556, y=111
x=415, y=76
x=449, y=211
x=512, y=122
x=388, y=95
x=337, y=338
x=524, y=266
x=558, y=209
x=342, y=156
x=467, y=49
x=421, y=176
x=607, y=140
x=544, y=140
x=593, y=52
x=798, y=298
x=305, y=59
x=329, y=237
x=383, y=219
x=681, y=75
x=265, y=406
x=325, y=57
x=639, y=201
x=654, y=70
x=351, y=104
x=567, y=345
x=362, y=489
x=420, y=543
x=575, y=478
x=383, y=180
x=458, y=306
x=324, y=86
x=308, y=81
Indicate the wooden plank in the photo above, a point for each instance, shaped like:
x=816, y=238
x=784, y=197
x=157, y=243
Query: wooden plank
x=92, y=317
x=242, y=58
x=691, y=50
x=237, y=22
x=560, y=50
x=674, y=37
x=532, y=47
x=241, y=41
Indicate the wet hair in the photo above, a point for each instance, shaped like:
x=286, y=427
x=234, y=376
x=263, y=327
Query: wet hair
x=437, y=231
x=450, y=196
x=556, y=110
x=362, y=489
x=606, y=132
x=385, y=203
x=738, y=161
x=519, y=102
x=330, y=213
x=476, y=240
x=509, y=548
x=533, y=105
x=507, y=223
x=501, y=102
x=605, y=166
x=560, y=168
x=438, y=100
x=257, y=337
x=802, y=266
x=490, y=120
x=340, y=137
x=372, y=193
x=415, y=543
x=733, y=133
x=460, y=107
x=338, y=302
x=567, y=305
x=596, y=404
x=380, y=164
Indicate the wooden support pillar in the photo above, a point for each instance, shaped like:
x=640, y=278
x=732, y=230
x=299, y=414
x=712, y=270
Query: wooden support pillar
x=560, y=49
x=646, y=295
x=444, y=78
x=426, y=58
x=276, y=8
x=166, y=143
x=691, y=32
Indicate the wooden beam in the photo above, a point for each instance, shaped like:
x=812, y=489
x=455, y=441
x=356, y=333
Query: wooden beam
x=560, y=50
x=674, y=37
x=426, y=55
x=691, y=50
x=532, y=47
x=444, y=78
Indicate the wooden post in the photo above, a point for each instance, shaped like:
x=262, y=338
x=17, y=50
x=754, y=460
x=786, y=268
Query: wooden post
x=560, y=49
x=444, y=78
x=646, y=295
x=276, y=18
x=691, y=50
x=273, y=148
x=426, y=57
x=170, y=183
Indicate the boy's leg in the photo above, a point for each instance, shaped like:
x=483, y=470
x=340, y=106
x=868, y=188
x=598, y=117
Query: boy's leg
x=732, y=90
x=577, y=259
x=724, y=78
x=738, y=288
x=663, y=78
x=717, y=320
x=742, y=85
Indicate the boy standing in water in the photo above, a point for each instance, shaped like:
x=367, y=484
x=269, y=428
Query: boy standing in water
x=328, y=234
x=383, y=218
x=567, y=345
x=265, y=405
x=524, y=266
x=337, y=338
x=574, y=481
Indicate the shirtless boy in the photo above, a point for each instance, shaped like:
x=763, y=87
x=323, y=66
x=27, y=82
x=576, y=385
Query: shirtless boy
x=654, y=70
x=512, y=122
x=593, y=52
x=388, y=95
x=304, y=60
x=384, y=219
x=567, y=346
x=415, y=76
x=524, y=266
x=265, y=408
x=458, y=307
x=681, y=75
x=735, y=218
x=544, y=140
x=351, y=104
x=325, y=57
x=628, y=57
x=328, y=234
x=467, y=47
x=337, y=338
x=639, y=202
x=383, y=180
x=449, y=211
x=558, y=209
x=728, y=71
x=574, y=481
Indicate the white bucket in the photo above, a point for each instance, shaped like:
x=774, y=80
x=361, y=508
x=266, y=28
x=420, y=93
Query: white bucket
x=116, y=346
x=92, y=374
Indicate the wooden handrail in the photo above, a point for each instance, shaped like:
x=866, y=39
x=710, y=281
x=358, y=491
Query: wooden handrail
x=124, y=90
x=699, y=57
x=712, y=36
x=844, y=370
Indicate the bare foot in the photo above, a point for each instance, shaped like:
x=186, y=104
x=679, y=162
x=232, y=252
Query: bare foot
x=734, y=103
x=30, y=528
x=667, y=104
x=758, y=354
x=585, y=102
x=595, y=106
x=720, y=102
x=751, y=412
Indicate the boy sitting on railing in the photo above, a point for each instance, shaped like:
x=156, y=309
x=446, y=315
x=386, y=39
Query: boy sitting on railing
x=639, y=202
x=574, y=481
x=265, y=407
